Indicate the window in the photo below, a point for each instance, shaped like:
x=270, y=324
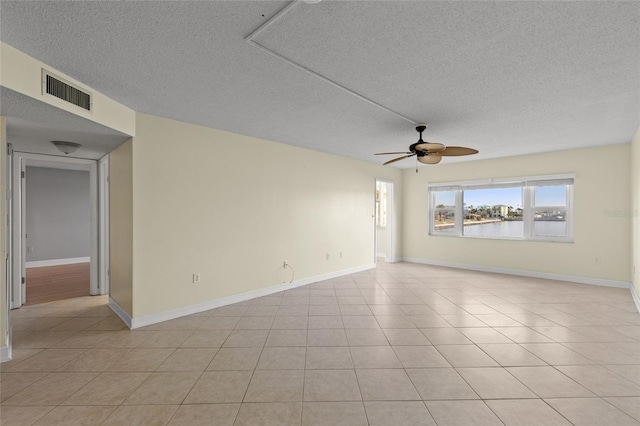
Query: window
x=444, y=212
x=493, y=212
x=381, y=204
x=520, y=208
x=550, y=211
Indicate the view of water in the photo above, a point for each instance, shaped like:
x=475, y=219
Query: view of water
x=511, y=229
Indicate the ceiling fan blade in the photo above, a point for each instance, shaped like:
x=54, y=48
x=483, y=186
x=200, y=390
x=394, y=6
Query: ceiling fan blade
x=398, y=159
x=430, y=159
x=430, y=147
x=389, y=153
x=457, y=150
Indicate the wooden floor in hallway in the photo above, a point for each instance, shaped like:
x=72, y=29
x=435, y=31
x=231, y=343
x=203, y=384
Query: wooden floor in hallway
x=50, y=283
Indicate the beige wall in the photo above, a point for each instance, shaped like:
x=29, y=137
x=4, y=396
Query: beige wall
x=635, y=211
x=3, y=231
x=601, y=183
x=121, y=226
x=232, y=208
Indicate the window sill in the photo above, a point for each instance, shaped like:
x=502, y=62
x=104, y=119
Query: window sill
x=477, y=237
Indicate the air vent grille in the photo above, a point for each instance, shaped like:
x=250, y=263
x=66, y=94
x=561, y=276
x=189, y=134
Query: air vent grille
x=66, y=92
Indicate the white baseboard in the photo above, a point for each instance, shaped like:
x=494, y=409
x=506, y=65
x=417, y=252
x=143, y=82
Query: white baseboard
x=5, y=353
x=117, y=309
x=523, y=273
x=216, y=303
x=56, y=262
x=636, y=297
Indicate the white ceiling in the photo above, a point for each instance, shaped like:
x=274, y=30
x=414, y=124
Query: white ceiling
x=506, y=78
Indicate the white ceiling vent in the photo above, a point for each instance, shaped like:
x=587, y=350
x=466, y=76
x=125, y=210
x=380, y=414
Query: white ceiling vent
x=55, y=86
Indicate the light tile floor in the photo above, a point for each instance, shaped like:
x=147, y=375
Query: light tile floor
x=403, y=344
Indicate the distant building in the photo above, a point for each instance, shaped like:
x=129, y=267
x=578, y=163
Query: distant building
x=501, y=210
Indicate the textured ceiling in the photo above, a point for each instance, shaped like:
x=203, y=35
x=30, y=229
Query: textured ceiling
x=32, y=125
x=506, y=78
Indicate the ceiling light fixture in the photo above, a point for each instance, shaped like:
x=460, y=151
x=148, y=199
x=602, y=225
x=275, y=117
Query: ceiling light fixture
x=430, y=159
x=66, y=147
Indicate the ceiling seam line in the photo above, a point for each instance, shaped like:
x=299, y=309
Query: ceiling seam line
x=272, y=20
x=277, y=16
x=331, y=82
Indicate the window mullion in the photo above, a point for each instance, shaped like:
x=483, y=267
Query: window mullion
x=527, y=211
x=459, y=213
x=432, y=211
x=569, y=213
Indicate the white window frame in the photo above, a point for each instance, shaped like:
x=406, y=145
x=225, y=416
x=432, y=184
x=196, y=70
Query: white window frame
x=528, y=185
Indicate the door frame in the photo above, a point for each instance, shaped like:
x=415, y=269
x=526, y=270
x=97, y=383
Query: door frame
x=103, y=237
x=6, y=356
x=390, y=253
x=20, y=161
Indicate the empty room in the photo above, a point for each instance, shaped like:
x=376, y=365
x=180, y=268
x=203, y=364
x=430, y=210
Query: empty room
x=320, y=213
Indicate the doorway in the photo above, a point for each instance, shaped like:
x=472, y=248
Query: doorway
x=68, y=264
x=57, y=234
x=385, y=221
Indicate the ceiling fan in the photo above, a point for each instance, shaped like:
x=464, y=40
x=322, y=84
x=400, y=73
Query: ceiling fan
x=429, y=152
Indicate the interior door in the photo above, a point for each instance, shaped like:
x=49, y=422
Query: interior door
x=385, y=220
x=17, y=266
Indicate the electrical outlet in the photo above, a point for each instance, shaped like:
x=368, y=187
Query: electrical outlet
x=285, y=263
x=598, y=260
x=327, y=256
x=196, y=278
x=30, y=249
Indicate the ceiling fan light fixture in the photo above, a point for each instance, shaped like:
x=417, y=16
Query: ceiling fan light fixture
x=430, y=159
x=66, y=147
